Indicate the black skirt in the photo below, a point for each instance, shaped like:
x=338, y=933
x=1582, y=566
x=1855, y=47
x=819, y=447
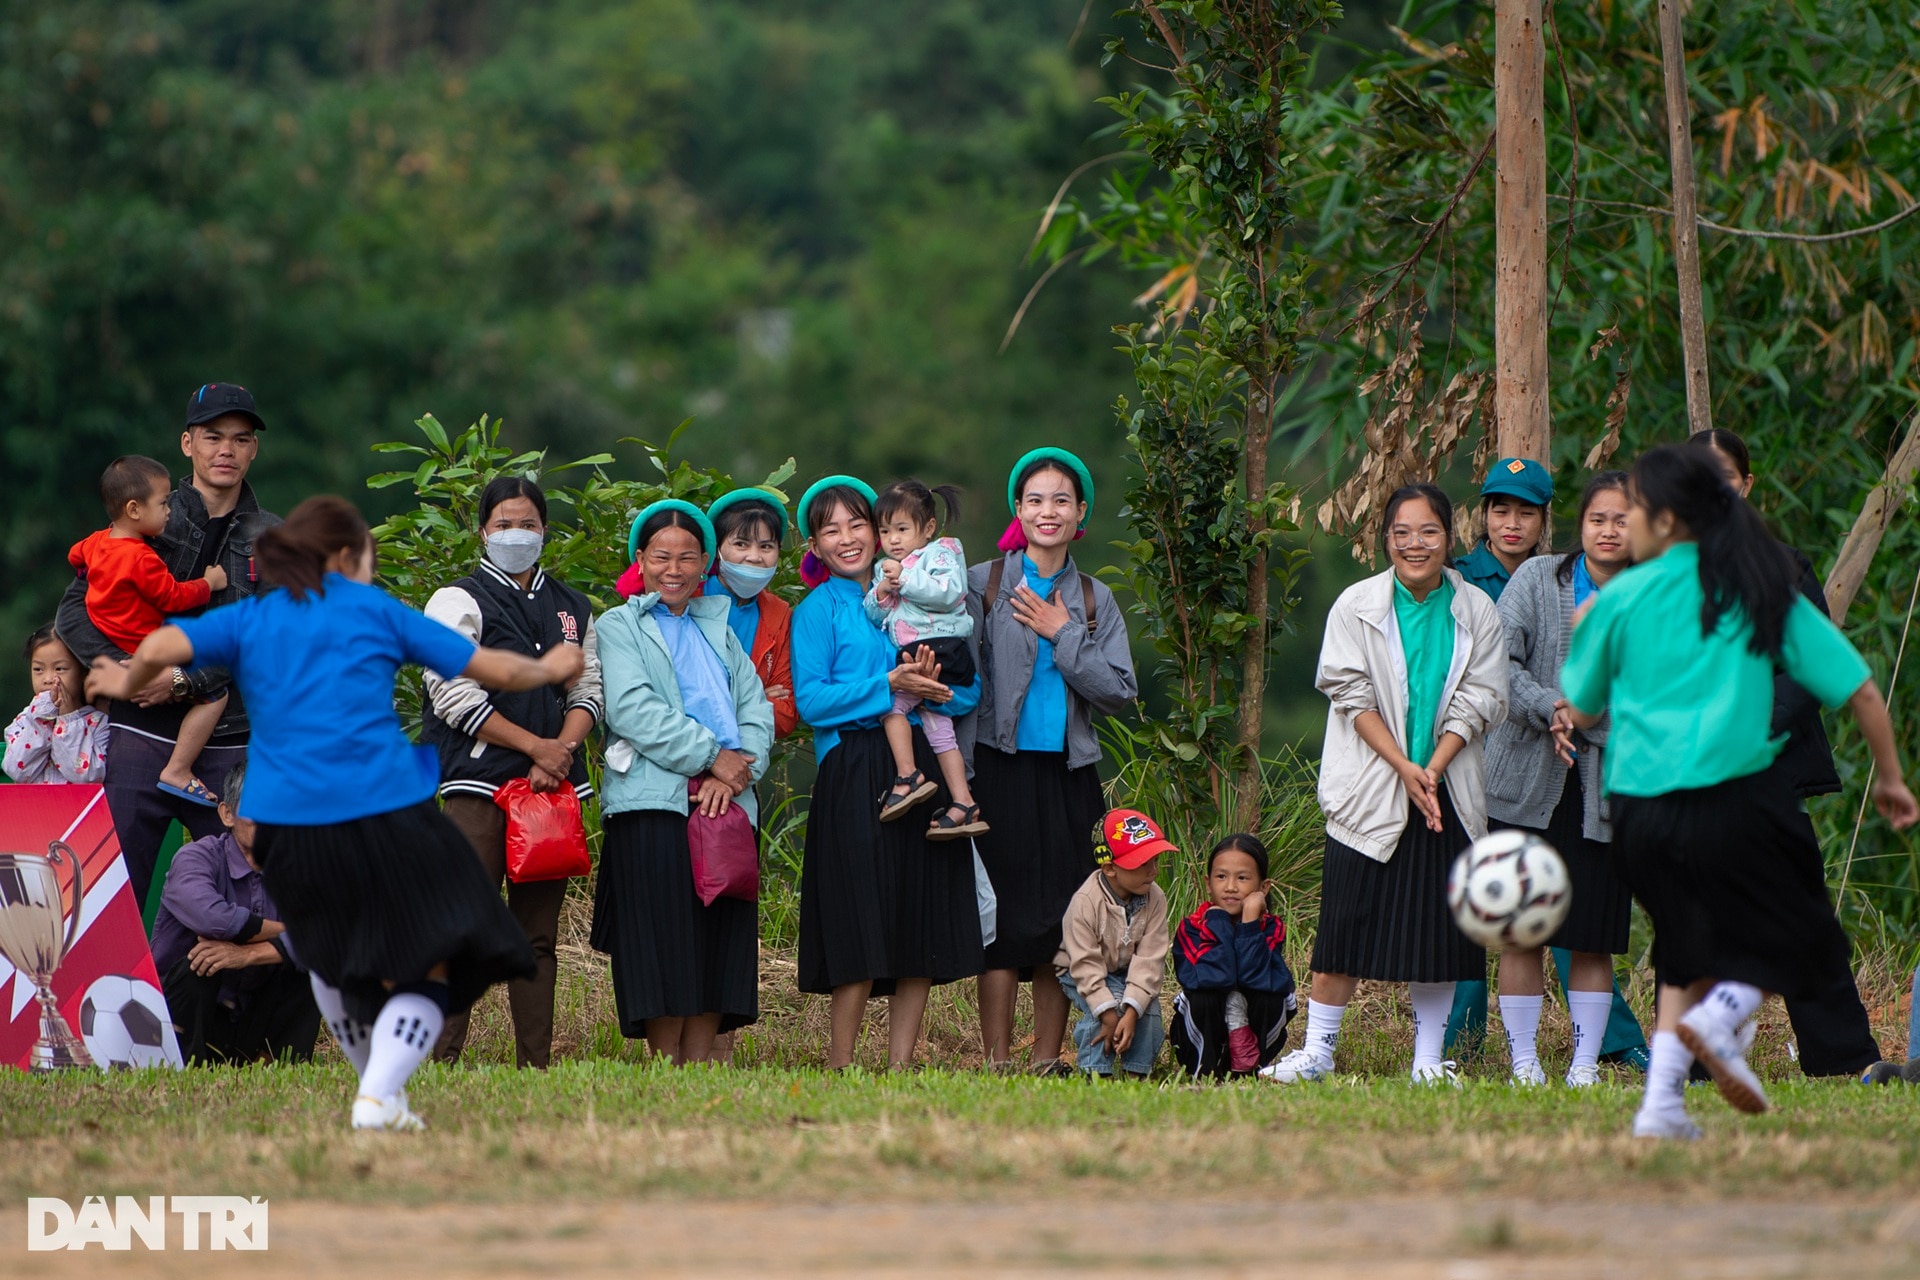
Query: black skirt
x=1600, y=910
x=1732, y=879
x=879, y=901
x=671, y=956
x=387, y=897
x=1040, y=850
x=1389, y=921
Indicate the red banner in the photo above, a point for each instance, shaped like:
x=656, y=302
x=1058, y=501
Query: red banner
x=96, y=967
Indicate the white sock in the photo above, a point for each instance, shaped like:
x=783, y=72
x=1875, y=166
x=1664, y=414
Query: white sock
x=1589, y=1011
x=403, y=1037
x=1323, y=1029
x=1732, y=1003
x=1236, y=1010
x=1520, y=1015
x=1432, y=1002
x=351, y=1036
x=1666, y=1074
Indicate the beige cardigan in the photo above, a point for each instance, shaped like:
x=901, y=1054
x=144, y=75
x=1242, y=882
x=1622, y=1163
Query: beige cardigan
x=1362, y=668
x=1096, y=940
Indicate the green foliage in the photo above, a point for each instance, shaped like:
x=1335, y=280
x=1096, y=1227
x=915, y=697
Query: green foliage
x=1211, y=224
x=1804, y=121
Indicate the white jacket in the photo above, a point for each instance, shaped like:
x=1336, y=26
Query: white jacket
x=1362, y=668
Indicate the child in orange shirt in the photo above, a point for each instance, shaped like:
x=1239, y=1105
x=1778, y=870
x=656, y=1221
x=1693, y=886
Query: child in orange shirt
x=130, y=593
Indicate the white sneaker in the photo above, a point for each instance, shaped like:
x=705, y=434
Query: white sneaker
x=1302, y=1066
x=391, y=1114
x=1529, y=1074
x=1583, y=1076
x=1447, y=1072
x=1724, y=1056
x=1667, y=1124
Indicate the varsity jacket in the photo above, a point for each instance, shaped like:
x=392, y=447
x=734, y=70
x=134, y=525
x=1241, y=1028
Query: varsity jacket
x=491, y=609
x=1213, y=950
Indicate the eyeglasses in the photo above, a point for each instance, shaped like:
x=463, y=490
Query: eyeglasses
x=1406, y=539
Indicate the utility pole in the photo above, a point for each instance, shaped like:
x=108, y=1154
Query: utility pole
x=1520, y=231
x=1686, y=225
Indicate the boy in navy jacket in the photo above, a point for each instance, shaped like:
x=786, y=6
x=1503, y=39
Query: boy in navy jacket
x=1236, y=993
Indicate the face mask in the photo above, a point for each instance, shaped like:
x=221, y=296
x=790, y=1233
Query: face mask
x=514, y=551
x=746, y=581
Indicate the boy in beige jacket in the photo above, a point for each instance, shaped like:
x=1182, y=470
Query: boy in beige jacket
x=1113, y=950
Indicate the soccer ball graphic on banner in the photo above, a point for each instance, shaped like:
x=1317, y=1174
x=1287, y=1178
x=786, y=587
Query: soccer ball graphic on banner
x=1509, y=889
x=124, y=1022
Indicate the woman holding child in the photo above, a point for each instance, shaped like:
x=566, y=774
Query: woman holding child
x=883, y=909
x=1414, y=663
x=688, y=724
x=1054, y=654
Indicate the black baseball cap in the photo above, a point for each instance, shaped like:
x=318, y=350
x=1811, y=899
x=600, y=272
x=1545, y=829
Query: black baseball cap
x=217, y=399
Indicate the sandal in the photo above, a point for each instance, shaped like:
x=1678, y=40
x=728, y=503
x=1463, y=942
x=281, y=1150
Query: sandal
x=918, y=789
x=946, y=827
x=195, y=791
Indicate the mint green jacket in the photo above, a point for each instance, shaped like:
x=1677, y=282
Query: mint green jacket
x=653, y=746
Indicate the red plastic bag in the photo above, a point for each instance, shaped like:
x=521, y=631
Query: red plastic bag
x=546, y=840
x=726, y=857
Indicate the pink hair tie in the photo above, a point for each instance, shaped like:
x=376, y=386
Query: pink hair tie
x=1014, y=539
x=812, y=572
x=631, y=582
x=1079, y=534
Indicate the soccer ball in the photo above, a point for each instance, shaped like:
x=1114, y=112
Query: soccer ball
x=124, y=1022
x=1509, y=889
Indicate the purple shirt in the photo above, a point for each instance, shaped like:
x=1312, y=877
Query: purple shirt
x=211, y=892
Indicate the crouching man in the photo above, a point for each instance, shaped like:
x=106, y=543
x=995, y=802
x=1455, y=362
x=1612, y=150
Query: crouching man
x=235, y=994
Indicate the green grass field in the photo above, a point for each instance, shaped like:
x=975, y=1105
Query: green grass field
x=611, y=1129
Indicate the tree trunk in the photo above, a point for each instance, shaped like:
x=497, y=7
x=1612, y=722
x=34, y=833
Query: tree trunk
x=1253, y=645
x=1876, y=513
x=1686, y=226
x=1520, y=231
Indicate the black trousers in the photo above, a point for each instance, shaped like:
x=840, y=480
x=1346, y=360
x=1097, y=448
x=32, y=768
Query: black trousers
x=1832, y=1032
x=142, y=812
x=1198, y=1029
x=277, y=1018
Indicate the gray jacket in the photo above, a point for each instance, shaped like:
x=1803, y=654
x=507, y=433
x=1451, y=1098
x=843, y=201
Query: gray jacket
x=1524, y=777
x=1098, y=672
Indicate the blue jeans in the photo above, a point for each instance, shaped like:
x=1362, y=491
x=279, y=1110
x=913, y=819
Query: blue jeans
x=1913, y=1026
x=1148, y=1033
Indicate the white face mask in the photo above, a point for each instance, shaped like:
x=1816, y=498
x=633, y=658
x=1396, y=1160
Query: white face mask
x=746, y=581
x=514, y=551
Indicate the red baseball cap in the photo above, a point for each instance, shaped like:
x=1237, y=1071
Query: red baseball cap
x=1128, y=838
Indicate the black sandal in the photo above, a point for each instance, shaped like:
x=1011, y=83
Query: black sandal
x=918, y=789
x=944, y=827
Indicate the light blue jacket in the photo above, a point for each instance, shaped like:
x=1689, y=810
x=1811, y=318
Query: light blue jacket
x=653, y=746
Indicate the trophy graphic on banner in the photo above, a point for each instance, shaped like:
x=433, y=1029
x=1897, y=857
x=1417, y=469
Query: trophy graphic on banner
x=36, y=934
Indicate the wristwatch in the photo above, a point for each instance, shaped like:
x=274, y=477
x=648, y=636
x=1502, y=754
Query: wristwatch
x=180, y=686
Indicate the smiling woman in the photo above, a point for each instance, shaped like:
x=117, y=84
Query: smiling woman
x=1414, y=665
x=883, y=909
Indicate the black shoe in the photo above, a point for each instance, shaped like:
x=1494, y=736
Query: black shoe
x=1884, y=1073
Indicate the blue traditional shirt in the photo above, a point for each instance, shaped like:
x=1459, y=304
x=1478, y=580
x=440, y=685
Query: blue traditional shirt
x=705, y=694
x=1043, y=716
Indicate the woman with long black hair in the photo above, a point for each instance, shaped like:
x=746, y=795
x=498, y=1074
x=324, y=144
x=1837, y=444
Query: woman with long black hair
x=1830, y=1030
x=1681, y=649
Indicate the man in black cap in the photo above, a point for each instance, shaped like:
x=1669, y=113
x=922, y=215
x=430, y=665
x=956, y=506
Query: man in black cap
x=213, y=519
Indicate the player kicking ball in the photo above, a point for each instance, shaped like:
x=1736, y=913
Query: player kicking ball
x=1682, y=648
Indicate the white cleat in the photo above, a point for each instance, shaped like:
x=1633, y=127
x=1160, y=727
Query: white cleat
x=1447, y=1072
x=392, y=1115
x=1671, y=1126
x=1529, y=1074
x=1584, y=1076
x=1724, y=1054
x=1302, y=1066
